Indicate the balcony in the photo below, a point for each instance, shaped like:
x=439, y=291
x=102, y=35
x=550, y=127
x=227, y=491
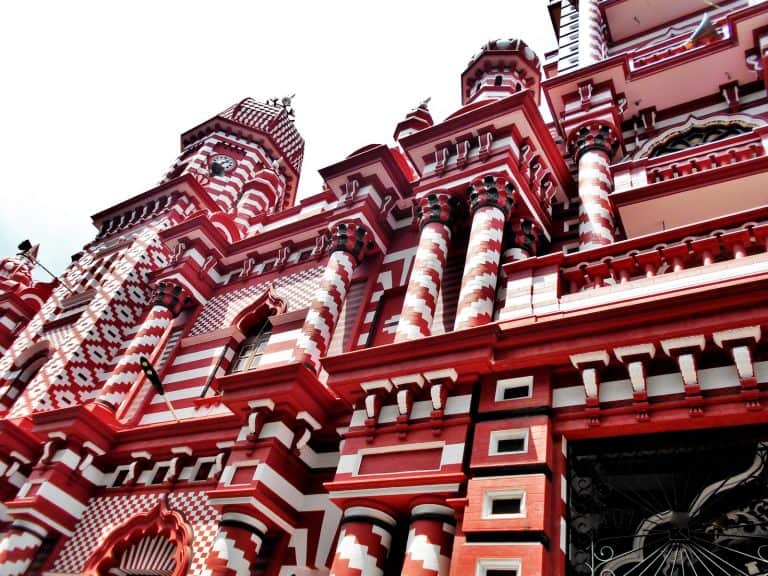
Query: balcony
x=692, y=185
x=725, y=251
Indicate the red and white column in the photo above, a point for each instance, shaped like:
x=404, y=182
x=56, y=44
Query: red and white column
x=430, y=539
x=168, y=300
x=18, y=548
x=365, y=537
x=490, y=201
x=436, y=212
x=349, y=243
x=236, y=546
x=593, y=146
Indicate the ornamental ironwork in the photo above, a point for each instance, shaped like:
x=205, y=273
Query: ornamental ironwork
x=698, y=135
x=670, y=505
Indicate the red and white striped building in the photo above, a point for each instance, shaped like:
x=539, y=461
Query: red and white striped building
x=525, y=340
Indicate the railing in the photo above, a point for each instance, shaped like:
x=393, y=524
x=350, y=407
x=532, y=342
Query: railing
x=664, y=258
x=695, y=160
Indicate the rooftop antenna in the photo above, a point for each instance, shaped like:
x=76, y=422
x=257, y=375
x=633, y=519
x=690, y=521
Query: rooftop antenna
x=29, y=251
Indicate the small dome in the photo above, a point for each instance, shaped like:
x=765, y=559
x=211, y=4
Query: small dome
x=509, y=45
x=501, y=68
x=15, y=273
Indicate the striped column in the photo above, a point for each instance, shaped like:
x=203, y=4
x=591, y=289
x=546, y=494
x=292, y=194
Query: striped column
x=591, y=35
x=593, y=146
x=236, y=546
x=168, y=300
x=490, y=202
x=430, y=539
x=365, y=537
x=436, y=212
x=348, y=245
x=18, y=548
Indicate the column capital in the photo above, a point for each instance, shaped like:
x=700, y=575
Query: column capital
x=526, y=236
x=594, y=135
x=350, y=237
x=170, y=295
x=438, y=207
x=492, y=190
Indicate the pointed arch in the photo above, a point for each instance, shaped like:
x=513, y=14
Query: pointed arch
x=158, y=541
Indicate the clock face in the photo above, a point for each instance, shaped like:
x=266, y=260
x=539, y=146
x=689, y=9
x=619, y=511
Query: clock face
x=223, y=161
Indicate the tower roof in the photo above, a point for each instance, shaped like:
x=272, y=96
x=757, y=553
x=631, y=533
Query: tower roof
x=274, y=120
x=270, y=124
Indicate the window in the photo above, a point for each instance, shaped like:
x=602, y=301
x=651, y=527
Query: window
x=508, y=442
x=505, y=503
x=514, y=388
x=252, y=348
x=498, y=567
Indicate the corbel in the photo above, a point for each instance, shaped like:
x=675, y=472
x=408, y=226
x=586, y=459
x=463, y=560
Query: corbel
x=407, y=387
x=374, y=390
x=182, y=457
x=685, y=351
x=257, y=417
x=306, y=424
x=55, y=441
x=637, y=358
x=141, y=461
x=730, y=92
x=441, y=159
x=589, y=364
x=486, y=140
x=440, y=383
x=585, y=94
x=648, y=119
x=740, y=343
x=462, y=153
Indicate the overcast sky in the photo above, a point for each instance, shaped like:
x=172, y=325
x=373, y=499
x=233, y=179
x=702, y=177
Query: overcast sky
x=95, y=94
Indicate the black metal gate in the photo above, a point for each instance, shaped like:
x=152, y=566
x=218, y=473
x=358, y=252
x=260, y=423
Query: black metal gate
x=692, y=504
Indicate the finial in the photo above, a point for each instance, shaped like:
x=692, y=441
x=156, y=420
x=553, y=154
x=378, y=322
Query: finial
x=284, y=103
x=424, y=104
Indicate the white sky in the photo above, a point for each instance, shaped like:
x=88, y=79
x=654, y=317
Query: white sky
x=95, y=94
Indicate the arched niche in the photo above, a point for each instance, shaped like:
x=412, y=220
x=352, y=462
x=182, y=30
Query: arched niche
x=158, y=541
x=696, y=132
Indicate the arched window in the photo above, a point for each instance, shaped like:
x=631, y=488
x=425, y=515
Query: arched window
x=698, y=135
x=252, y=348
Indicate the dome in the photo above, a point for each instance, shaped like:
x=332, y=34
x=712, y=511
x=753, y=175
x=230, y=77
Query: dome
x=508, y=46
x=15, y=273
x=501, y=68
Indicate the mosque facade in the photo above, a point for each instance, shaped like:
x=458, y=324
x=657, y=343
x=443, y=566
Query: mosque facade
x=524, y=340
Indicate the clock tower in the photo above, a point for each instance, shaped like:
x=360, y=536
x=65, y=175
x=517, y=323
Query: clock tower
x=248, y=159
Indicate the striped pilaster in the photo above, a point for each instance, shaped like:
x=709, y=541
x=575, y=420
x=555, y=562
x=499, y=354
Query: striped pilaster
x=168, y=301
x=364, y=540
x=491, y=202
x=591, y=34
x=260, y=196
x=435, y=214
x=18, y=548
x=236, y=546
x=430, y=539
x=349, y=243
x=594, y=145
